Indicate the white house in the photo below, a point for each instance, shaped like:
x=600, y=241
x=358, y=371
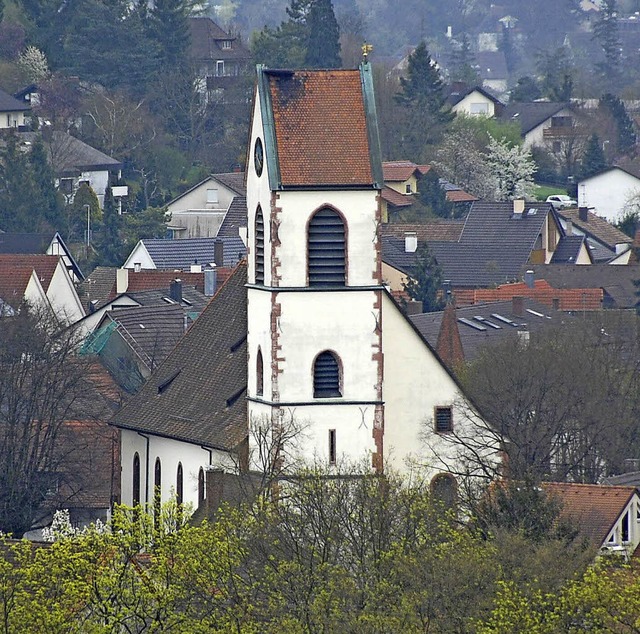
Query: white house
x=12, y=111
x=473, y=101
x=305, y=332
x=608, y=192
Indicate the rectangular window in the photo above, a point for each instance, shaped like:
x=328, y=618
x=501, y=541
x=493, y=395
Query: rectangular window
x=443, y=420
x=408, y=188
x=220, y=68
x=561, y=122
x=332, y=446
x=479, y=108
x=212, y=195
x=226, y=44
x=625, y=528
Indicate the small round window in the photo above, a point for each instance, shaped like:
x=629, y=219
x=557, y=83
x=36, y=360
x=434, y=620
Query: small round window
x=258, y=157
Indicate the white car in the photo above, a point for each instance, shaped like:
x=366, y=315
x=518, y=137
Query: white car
x=559, y=201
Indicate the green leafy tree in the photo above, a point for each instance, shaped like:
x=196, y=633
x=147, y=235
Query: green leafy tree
x=423, y=101
x=323, y=41
x=76, y=214
x=425, y=283
x=593, y=160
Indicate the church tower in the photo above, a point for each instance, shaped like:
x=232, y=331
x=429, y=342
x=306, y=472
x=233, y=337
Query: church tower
x=314, y=272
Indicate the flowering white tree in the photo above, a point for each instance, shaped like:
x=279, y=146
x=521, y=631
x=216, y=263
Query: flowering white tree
x=34, y=63
x=512, y=169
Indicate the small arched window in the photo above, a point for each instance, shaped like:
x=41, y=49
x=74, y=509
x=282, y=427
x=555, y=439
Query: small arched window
x=326, y=249
x=136, y=479
x=201, y=486
x=445, y=488
x=259, y=374
x=326, y=376
x=259, y=243
x=179, y=485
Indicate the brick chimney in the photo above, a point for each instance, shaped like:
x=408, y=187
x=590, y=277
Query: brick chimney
x=517, y=305
x=583, y=214
x=449, y=345
x=175, y=291
x=218, y=253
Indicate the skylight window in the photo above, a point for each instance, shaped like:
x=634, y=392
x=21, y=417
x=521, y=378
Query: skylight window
x=482, y=320
x=504, y=320
x=534, y=312
x=468, y=322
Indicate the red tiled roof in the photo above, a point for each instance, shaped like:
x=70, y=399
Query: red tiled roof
x=568, y=298
x=395, y=171
x=396, y=198
x=13, y=283
x=320, y=127
x=460, y=196
x=438, y=230
x=593, y=508
x=43, y=265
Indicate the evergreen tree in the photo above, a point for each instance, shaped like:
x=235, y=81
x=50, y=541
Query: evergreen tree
x=423, y=100
x=16, y=187
x=594, y=159
x=426, y=281
x=168, y=27
x=45, y=197
x=433, y=196
x=605, y=32
x=109, y=243
x=555, y=69
x=463, y=63
x=323, y=42
x=525, y=90
x=626, y=135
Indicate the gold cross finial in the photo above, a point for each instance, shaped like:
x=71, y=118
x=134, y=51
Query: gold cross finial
x=366, y=49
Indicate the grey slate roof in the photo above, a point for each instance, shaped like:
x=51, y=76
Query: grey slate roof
x=11, y=104
x=534, y=317
x=567, y=250
x=69, y=155
x=32, y=243
x=531, y=115
x=198, y=394
x=235, y=218
x=193, y=301
x=234, y=181
x=617, y=281
x=181, y=254
x=596, y=227
x=206, y=39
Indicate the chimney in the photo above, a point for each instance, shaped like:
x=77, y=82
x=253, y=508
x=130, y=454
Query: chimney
x=195, y=267
x=529, y=278
x=410, y=242
x=555, y=303
x=210, y=282
x=449, y=344
x=413, y=308
x=122, y=281
x=583, y=214
x=175, y=291
x=218, y=253
x=523, y=338
x=518, y=207
x=568, y=228
x=517, y=305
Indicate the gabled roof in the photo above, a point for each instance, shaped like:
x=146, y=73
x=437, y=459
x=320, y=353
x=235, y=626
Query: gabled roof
x=458, y=91
x=568, y=249
x=234, y=181
x=595, y=227
x=592, y=508
x=44, y=265
x=399, y=171
x=236, y=217
x=207, y=38
x=11, y=104
x=320, y=128
x=193, y=301
x=396, y=199
x=69, y=155
x=181, y=254
x=13, y=283
x=448, y=230
x=611, y=169
x=198, y=393
x=530, y=115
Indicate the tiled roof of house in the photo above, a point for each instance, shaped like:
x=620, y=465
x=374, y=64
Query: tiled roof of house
x=491, y=65
x=459, y=196
x=11, y=104
x=595, y=227
x=235, y=218
x=398, y=171
x=13, y=283
x=568, y=250
x=97, y=285
x=193, y=301
x=617, y=282
x=592, y=508
x=181, y=254
x=43, y=265
x=234, y=181
x=396, y=199
x=149, y=280
x=320, y=125
x=531, y=115
x=70, y=155
x=198, y=394
x=457, y=91
x=447, y=230
x=207, y=38
x=574, y=299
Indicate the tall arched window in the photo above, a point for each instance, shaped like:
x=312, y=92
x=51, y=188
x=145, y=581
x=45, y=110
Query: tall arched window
x=201, y=486
x=326, y=249
x=445, y=488
x=179, y=485
x=259, y=259
x=136, y=480
x=259, y=374
x=326, y=376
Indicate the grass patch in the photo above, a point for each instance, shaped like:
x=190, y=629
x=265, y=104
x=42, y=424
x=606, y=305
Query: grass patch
x=542, y=191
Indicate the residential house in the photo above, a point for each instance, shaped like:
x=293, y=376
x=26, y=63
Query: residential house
x=608, y=193
x=492, y=69
x=182, y=254
x=544, y=124
x=200, y=211
x=473, y=101
x=41, y=243
x=304, y=334
x=606, y=243
x=607, y=516
x=76, y=163
x=42, y=280
x=220, y=57
x=12, y=111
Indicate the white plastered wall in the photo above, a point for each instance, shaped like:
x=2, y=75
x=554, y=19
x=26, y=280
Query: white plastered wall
x=606, y=194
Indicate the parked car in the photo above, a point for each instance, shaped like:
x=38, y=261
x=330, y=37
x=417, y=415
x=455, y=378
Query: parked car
x=559, y=201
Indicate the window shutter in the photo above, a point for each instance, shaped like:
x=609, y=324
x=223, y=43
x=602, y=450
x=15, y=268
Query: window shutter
x=259, y=261
x=326, y=249
x=326, y=376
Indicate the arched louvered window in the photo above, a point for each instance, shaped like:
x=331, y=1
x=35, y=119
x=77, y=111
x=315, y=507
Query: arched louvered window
x=136, y=479
x=259, y=374
x=201, y=486
x=326, y=376
x=259, y=260
x=326, y=249
x=445, y=488
x=180, y=485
